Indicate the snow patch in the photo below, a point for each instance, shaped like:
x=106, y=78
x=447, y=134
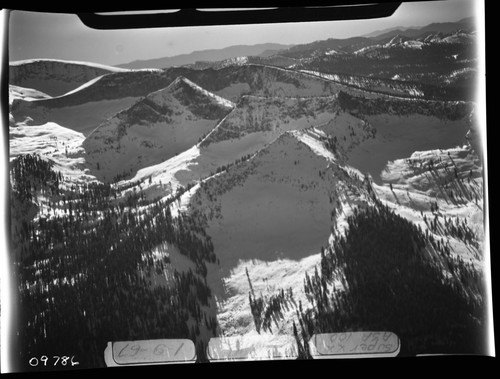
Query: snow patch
x=61, y=145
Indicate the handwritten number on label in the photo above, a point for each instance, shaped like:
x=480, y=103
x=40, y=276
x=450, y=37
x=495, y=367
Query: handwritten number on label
x=159, y=349
x=136, y=350
x=180, y=347
x=56, y=360
x=121, y=351
x=355, y=342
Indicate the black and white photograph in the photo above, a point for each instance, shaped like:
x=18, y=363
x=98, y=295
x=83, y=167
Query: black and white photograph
x=246, y=191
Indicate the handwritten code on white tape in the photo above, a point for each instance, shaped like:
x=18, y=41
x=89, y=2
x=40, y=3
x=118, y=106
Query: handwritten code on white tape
x=153, y=351
x=354, y=344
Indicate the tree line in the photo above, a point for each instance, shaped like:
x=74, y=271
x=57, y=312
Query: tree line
x=450, y=110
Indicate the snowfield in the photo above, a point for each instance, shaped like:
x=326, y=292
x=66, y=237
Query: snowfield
x=28, y=94
x=61, y=145
x=458, y=193
x=268, y=277
x=84, y=118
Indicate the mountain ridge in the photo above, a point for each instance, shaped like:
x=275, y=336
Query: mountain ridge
x=56, y=77
x=205, y=55
x=155, y=128
x=419, y=32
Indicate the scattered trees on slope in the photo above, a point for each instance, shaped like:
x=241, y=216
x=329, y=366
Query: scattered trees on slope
x=79, y=276
x=396, y=278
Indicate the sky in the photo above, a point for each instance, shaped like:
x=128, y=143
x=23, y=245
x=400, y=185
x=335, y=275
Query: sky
x=63, y=36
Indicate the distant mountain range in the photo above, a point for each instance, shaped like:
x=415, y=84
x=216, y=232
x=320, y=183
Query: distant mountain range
x=413, y=32
x=211, y=55
x=267, y=50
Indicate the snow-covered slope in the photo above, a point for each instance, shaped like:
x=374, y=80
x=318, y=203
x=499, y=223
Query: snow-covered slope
x=256, y=79
x=250, y=126
x=432, y=171
x=396, y=40
x=427, y=41
x=28, y=94
x=272, y=60
x=55, y=77
x=61, y=145
x=441, y=190
x=154, y=129
x=383, y=86
x=399, y=136
x=91, y=103
x=272, y=115
x=17, y=93
x=257, y=121
x=270, y=215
